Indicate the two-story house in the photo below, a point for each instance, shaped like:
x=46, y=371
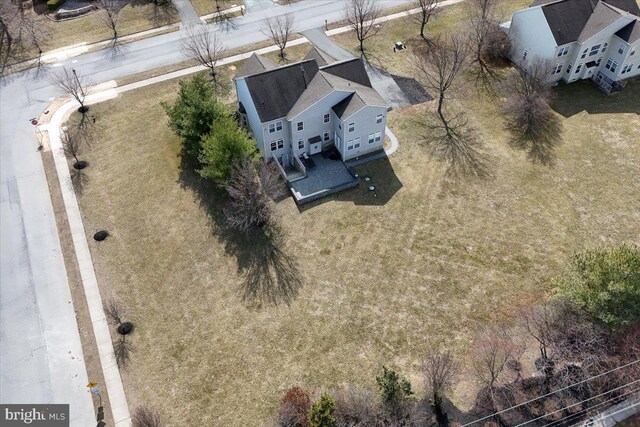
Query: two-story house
x=581, y=39
x=298, y=111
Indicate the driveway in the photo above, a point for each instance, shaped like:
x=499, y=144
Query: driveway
x=188, y=14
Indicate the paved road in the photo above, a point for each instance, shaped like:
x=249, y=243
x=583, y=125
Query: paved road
x=40, y=352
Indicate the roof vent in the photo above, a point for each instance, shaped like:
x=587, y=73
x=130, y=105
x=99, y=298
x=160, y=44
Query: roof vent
x=304, y=76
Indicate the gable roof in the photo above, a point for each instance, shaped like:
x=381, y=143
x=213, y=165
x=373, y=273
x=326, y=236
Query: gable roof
x=291, y=89
x=577, y=20
x=254, y=65
x=321, y=57
x=631, y=32
x=275, y=92
x=350, y=69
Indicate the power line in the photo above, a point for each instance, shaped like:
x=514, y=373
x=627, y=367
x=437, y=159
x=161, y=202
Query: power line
x=578, y=403
x=551, y=393
x=579, y=413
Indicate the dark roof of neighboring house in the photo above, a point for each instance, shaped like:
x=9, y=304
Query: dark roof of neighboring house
x=631, y=32
x=351, y=69
x=287, y=91
x=254, y=65
x=275, y=92
x=321, y=57
x=573, y=20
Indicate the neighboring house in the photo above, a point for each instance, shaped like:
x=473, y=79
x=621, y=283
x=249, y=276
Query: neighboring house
x=317, y=105
x=582, y=39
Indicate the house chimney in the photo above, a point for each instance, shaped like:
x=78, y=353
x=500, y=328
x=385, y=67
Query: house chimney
x=304, y=76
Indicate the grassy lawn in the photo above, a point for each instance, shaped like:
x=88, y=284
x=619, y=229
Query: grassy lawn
x=90, y=28
x=384, y=278
x=205, y=7
x=374, y=278
x=379, y=48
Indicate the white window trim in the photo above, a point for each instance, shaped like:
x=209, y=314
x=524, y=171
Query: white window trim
x=326, y=136
x=351, y=127
x=378, y=136
x=273, y=145
x=280, y=142
x=300, y=126
x=379, y=118
x=326, y=118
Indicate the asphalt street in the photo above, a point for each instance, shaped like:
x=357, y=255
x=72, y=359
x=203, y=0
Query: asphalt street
x=40, y=354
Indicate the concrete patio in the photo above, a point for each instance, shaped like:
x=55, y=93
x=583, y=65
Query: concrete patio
x=324, y=177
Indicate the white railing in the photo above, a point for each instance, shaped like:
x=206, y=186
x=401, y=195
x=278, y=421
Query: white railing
x=280, y=168
x=300, y=165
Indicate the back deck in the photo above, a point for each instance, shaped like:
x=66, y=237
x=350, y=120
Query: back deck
x=326, y=174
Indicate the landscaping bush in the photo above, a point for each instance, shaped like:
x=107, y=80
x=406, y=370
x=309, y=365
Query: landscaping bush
x=54, y=4
x=321, y=413
x=294, y=406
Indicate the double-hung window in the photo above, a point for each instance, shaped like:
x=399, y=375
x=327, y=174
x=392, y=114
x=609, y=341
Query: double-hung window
x=326, y=118
x=272, y=127
x=621, y=49
x=274, y=147
x=356, y=143
x=626, y=68
x=611, y=65
x=525, y=54
x=352, y=127
x=578, y=68
x=594, y=50
x=300, y=126
x=280, y=143
x=300, y=144
x=350, y=144
x=326, y=135
x=569, y=67
x=279, y=126
x=561, y=52
x=557, y=69
x=604, y=48
x=378, y=136
x=372, y=138
x=633, y=52
x=584, y=54
x=379, y=118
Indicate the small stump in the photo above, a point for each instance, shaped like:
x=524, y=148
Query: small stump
x=100, y=235
x=125, y=328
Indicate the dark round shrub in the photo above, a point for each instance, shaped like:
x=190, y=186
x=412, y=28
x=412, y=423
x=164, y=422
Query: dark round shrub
x=125, y=328
x=101, y=235
x=80, y=164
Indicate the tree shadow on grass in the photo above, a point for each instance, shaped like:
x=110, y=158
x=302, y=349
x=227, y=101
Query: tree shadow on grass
x=270, y=275
x=574, y=98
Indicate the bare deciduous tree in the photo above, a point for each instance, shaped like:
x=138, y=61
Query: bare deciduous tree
x=250, y=192
x=145, y=417
x=71, y=144
x=72, y=84
x=491, y=354
x=361, y=16
x=428, y=10
x=114, y=312
x=439, y=370
x=357, y=408
x=206, y=48
x=111, y=13
x=483, y=17
x=279, y=29
x=19, y=34
x=454, y=141
x=528, y=114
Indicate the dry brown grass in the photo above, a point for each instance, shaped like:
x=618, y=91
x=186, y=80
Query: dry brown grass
x=205, y=7
x=91, y=29
x=424, y=262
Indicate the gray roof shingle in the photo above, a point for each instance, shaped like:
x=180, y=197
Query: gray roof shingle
x=350, y=69
x=275, y=92
x=321, y=57
x=577, y=20
x=254, y=65
x=631, y=32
